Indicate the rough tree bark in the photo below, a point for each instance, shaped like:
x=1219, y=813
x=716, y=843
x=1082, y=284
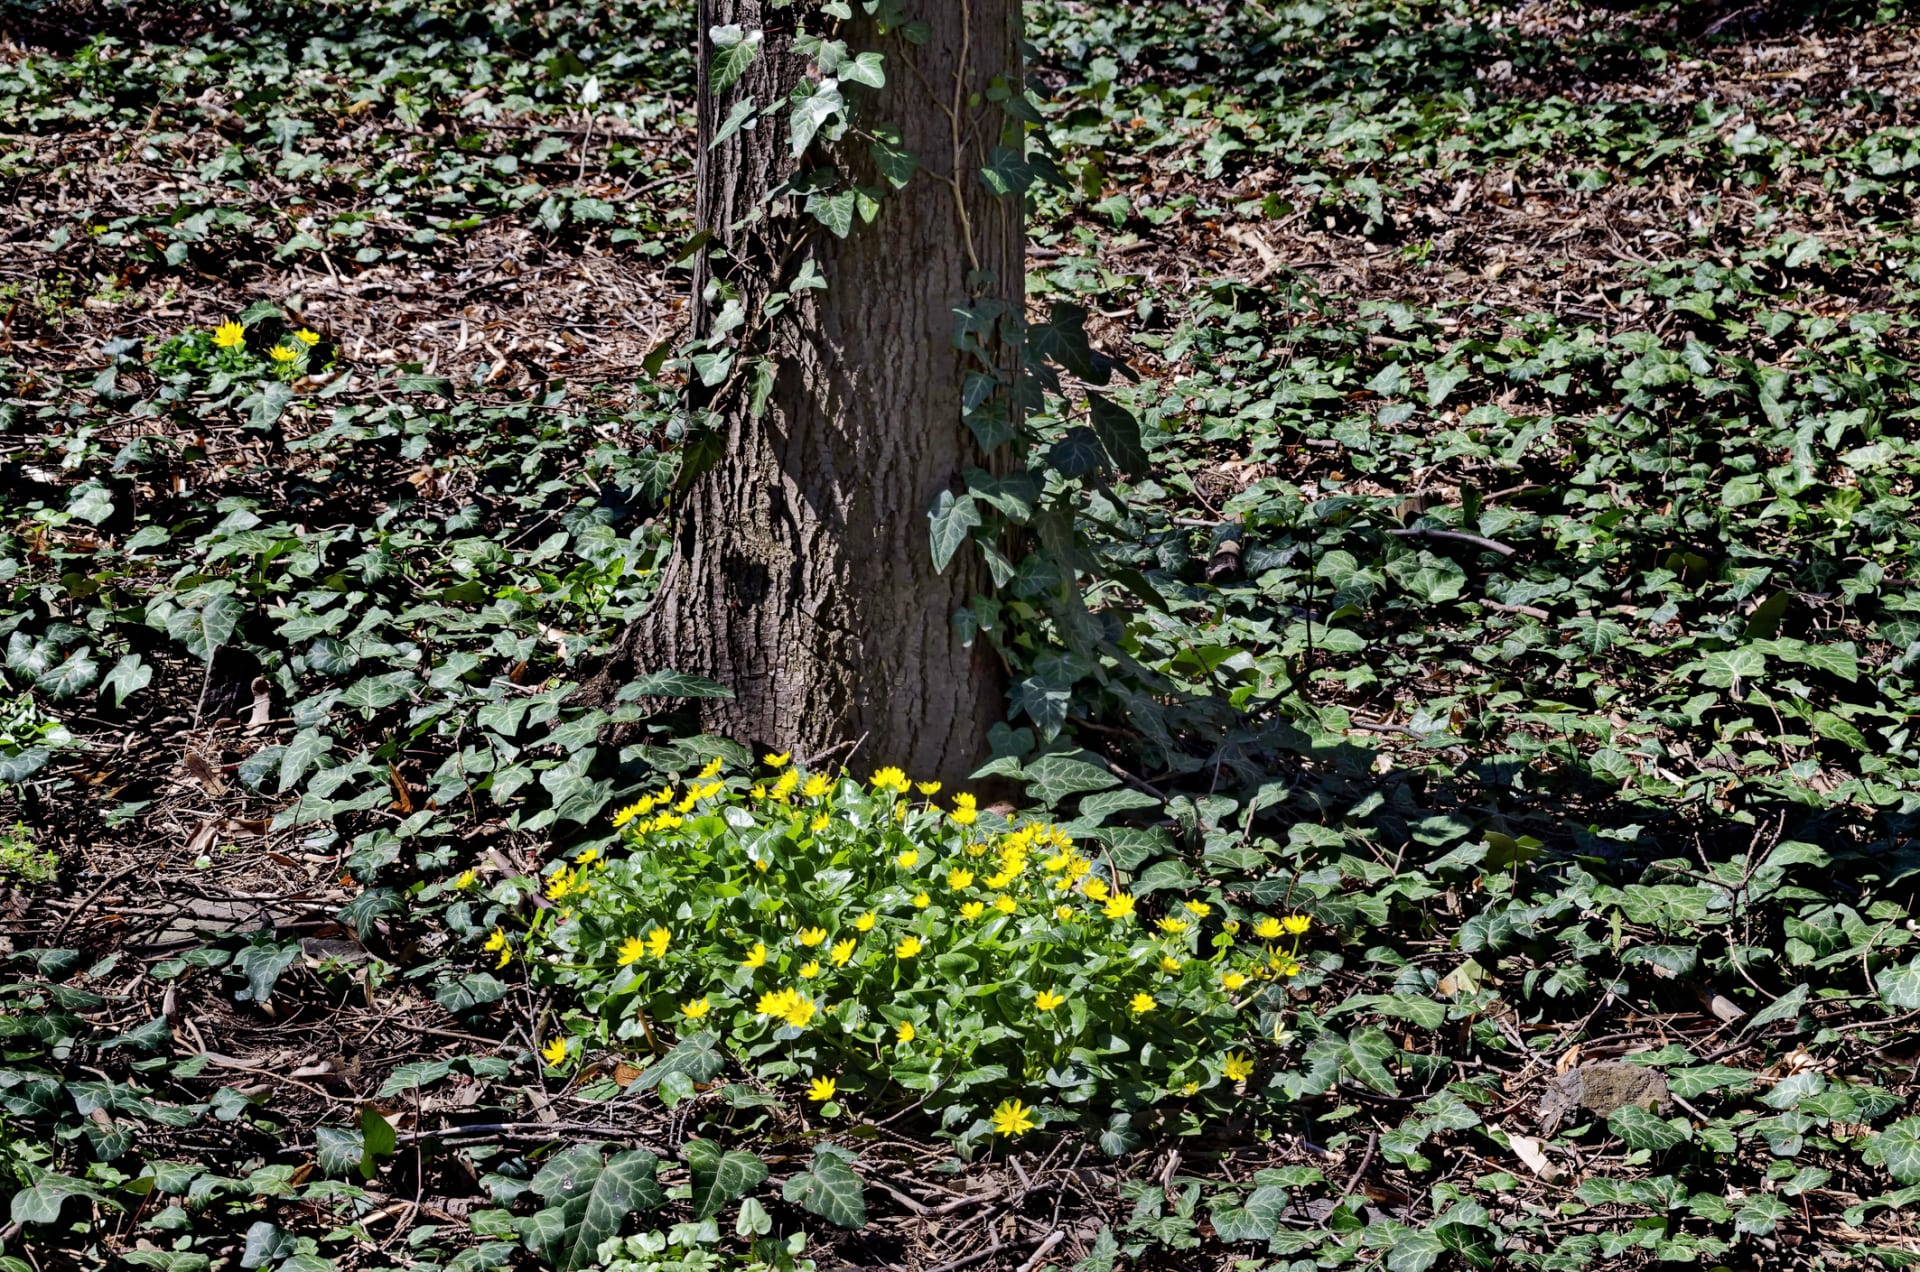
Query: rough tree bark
x=801, y=576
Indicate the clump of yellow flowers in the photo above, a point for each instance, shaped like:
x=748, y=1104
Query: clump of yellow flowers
x=890, y=944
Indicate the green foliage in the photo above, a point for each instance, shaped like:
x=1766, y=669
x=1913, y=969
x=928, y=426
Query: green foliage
x=897, y=953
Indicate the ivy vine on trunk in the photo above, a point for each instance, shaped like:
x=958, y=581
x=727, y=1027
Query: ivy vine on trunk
x=828, y=377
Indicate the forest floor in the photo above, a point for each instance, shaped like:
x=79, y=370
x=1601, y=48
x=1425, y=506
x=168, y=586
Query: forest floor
x=1524, y=575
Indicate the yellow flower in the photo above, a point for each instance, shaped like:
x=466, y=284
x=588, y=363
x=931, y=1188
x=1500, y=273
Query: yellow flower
x=928, y=788
x=799, y=1012
x=559, y=883
x=497, y=941
x=958, y=879
x=1285, y=965
x=1172, y=926
x=904, y=1032
x=819, y=823
x=773, y=761
x=1096, y=889
x=921, y=900
x=713, y=767
x=965, y=810
x=811, y=970
x=1063, y=912
x=696, y=1009
x=811, y=937
x=1266, y=929
x=865, y=922
x=506, y=956
x=784, y=788
x=1231, y=927
x=908, y=859
x=1189, y=1088
x=973, y=909
x=1119, y=906
x=587, y=858
x=463, y=880
x=631, y=949
x=1047, y=1000
x=1005, y=904
x=307, y=338
x=1237, y=1067
x=1198, y=909
x=1168, y=963
x=1141, y=1004
x=657, y=942
x=554, y=1052
x=908, y=947
x=890, y=779
x=757, y=956
x=282, y=354
x=1012, y=1119
x=842, y=951
x=1295, y=924
x=820, y=1089
x=229, y=335
x=1232, y=981
x=817, y=785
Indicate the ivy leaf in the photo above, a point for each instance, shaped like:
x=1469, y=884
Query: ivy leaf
x=1077, y=454
x=1119, y=432
x=720, y=1177
x=950, y=520
x=1898, y=1149
x=261, y=964
x=129, y=676
x=891, y=158
x=812, y=106
x=1760, y=1214
x=1368, y=1052
x=831, y=1190
x=743, y=110
x=300, y=755
x=206, y=627
x=734, y=51
x=867, y=68
x=1900, y=986
x=1641, y=1129
x=337, y=1151
x=413, y=1075
x=70, y=677
x=672, y=684
x=1415, y=1251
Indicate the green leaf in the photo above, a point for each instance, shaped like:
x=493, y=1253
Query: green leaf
x=1119, y=432
x=72, y=676
x=307, y=746
x=1898, y=1149
x=720, y=1177
x=1641, y=1129
x=734, y=49
x=891, y=158
x=672, y=684
x=1368, y=1052
x=1900, y=986
x=129, y=676
x=950, y=520
x=830, y=1190
x=1722, y=669
x=1415, y=1251
x=1077, y=454
x=261, y=963
x=208, y=626
x=337, y=1151
x=742, y=111
x=1427, y=578
x=1760, y=1214
x=413, y=1075
x=1785, y=1007
x=90, y=502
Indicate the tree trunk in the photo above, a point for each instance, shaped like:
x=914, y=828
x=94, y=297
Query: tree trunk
x=801, y=576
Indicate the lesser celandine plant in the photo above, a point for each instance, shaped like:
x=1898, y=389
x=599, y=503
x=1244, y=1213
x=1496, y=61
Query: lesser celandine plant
x=880, y=944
